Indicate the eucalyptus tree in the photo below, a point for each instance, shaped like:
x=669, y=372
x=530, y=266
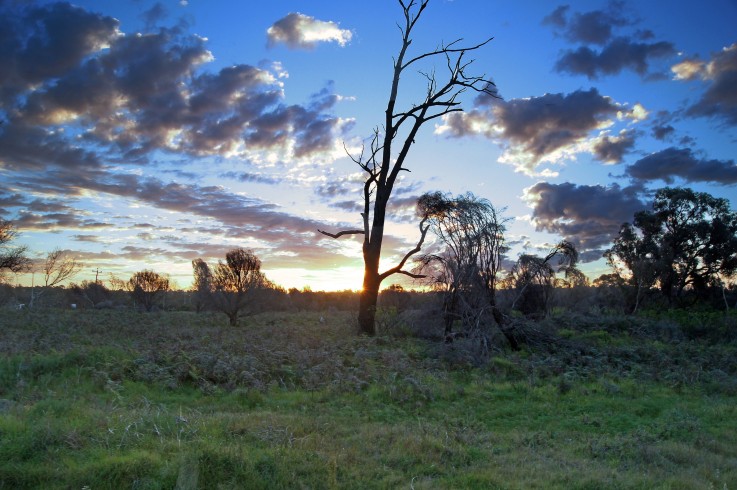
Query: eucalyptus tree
x=688, y=241
x=533, y=277
x=391, y=144
x=470, y=232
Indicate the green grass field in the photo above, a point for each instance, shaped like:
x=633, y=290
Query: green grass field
x=110, y=399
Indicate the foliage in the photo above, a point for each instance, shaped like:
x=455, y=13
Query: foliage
x=147, y=288
x=466, y=270
x=91, y=293
x=687, y=242
x=12, y=259
x=533, y=277
x=202, y=284
x=233, y=286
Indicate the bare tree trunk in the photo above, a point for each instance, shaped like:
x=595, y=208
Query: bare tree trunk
x=367, y=302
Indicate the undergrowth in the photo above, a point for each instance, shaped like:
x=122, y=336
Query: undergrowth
x=99, y=399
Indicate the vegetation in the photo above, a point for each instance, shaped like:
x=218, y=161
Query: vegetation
x=12, y=259
x=99, y=399
x=686, y=244
x=234, y=285
x=147, y=288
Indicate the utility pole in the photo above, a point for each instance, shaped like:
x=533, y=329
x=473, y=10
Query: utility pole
x=97, y=273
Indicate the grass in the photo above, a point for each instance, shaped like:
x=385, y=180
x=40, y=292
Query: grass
x=96, y=399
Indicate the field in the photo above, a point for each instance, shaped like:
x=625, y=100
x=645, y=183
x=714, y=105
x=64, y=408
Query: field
x=111, y=399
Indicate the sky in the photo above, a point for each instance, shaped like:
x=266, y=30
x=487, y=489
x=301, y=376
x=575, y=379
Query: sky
x=142, y=135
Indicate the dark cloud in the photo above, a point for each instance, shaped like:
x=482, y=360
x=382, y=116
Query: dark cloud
x=301, y=31
x=87, y=238
x=594, y=27
x=614, y=53
x=257, y=218
x=43, y=42
x=341, y=186
x=154, y=15
x=534, y=128
x=28, y=220
x=619, y=54
x=611, y=149
x=557, y=17
x=720, y=73
x=662, y=131
x=589, y=216
x=671, y=163
x=257, y=178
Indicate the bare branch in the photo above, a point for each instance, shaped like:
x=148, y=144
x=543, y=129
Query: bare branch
x=398, y=269
x=446, y=49
x=59, y=267
x=341, y=233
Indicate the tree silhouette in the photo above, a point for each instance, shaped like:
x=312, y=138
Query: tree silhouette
x=236, y=282
x=382, y=163
x=147, y=287
x=688, y=241
x=12, y=259
x=471, y=231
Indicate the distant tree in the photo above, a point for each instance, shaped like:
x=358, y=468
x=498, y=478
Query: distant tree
x=92, y=293
x=12, y=259
x=58, y=267
x=688, y=241
x=147, y=287
x=202, y=284
x=533, y=277
x=395, y=297
x=236, y=284
x=383, y=163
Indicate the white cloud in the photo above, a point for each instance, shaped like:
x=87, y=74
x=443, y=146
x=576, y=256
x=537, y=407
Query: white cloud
x=301, y=31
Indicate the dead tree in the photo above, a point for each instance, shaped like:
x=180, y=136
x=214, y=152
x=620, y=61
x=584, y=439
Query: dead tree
x=383, y=162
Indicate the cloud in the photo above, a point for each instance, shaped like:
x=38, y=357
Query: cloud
x=588, y=215
x=43, y=42
x=541, y=129
x=620, y=54
x=670, y=163
x=613, y=53
x=299, y=31
x=662, y=131
x=611, y=149
x=257, y=178
x=720, y=74
x=82, y=92
x=594, y=27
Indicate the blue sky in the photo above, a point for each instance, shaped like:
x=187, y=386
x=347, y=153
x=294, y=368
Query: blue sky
x=140, y=134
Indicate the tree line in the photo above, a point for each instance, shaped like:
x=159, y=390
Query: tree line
x=681, y=252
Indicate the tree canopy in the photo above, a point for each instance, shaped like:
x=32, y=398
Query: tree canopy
x=688, y=241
